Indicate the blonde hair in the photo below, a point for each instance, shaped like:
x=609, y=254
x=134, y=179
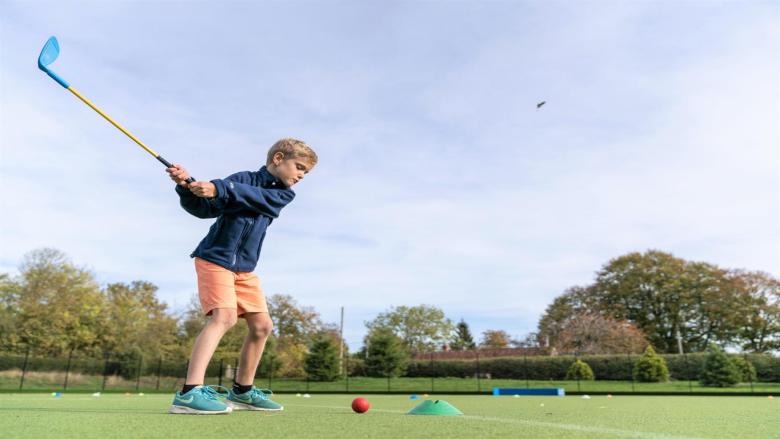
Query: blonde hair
x=291, y=148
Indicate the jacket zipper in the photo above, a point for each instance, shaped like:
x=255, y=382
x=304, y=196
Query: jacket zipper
x=241, y=239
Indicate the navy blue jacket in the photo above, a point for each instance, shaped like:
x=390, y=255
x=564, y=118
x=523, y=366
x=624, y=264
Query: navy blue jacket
x=245, y=205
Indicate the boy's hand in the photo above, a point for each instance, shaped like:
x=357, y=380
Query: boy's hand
x=203, y=189
x=178, y=175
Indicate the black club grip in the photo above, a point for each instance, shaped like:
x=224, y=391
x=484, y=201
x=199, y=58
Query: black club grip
x=169, y=165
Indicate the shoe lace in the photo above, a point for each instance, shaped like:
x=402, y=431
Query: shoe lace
x=211, y=392
x=261, y=393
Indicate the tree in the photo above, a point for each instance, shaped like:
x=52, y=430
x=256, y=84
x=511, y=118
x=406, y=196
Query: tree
x=331, y=332
x=421, y=328
x=295, y=328
x=493, y=338
x=297, y=324
x=648, y=289
x=192, y=320
x=322, y=361
x=139, y=322
x=387, y=355
x=290, y=357
x=760, y=328
x=746, y=369
x=712, y=298
x=529, y=340
x=9, y=299
x=593, y=334
x=660, y=294
x=719, y=370
x=559, y=312
x=651, y=368
x=59, y=306
x=462, y=340
x=580, y=370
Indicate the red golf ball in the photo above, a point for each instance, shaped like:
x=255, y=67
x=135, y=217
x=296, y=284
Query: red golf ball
x=360, y=405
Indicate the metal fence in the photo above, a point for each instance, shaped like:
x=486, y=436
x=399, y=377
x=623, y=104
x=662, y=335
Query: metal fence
x=468, y=374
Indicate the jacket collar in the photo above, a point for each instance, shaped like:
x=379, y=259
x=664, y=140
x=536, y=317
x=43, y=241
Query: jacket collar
x=270, y=179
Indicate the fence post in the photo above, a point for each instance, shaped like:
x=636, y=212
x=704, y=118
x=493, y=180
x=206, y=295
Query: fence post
x=479, y=383
x=576, y=357
x=138, y=373
x=105, y=372
x=219, y=380
x=388, y=383
x=525, y=366
x=159, y=368
x=67, y=370
x=270, y=371
x=750, y=376
x=631, y=371
x=307, y=383
x=432, y=374
x=24, y=367
x=346, y=369
x=688, y=372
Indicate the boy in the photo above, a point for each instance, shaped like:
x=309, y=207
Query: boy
x=244, y=204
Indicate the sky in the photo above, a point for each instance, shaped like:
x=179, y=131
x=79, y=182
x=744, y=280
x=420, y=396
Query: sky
x=439, y=180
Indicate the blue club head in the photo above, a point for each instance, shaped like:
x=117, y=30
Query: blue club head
x=49, y=53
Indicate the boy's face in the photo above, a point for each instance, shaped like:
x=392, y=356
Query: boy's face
x=291, y=170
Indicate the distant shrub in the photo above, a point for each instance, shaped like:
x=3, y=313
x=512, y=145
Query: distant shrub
x=322, y=361
x=387, y=356
x=651, y=368
x=579, y=370
x=746, y=369
x=719, y=370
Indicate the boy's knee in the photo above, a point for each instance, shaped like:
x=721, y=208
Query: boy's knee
x=261, y=328
x=224, y=318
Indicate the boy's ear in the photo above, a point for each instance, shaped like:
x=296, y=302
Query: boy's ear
x=277, y=158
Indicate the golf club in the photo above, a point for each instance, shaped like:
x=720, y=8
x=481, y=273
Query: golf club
x=49, y=53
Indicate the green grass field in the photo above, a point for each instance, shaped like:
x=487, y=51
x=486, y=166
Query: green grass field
x=119, y=416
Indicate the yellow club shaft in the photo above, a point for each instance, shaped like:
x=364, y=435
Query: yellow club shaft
x=108, y=118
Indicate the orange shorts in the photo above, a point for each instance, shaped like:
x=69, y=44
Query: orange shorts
x=219, y=287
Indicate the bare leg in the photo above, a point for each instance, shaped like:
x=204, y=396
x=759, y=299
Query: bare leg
x=260, y=327
x=221, y=320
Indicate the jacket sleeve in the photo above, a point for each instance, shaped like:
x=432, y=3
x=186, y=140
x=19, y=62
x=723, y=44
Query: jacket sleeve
x=234, y=195
x=197, y=206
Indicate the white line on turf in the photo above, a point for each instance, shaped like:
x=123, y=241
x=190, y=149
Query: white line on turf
x=560, y=426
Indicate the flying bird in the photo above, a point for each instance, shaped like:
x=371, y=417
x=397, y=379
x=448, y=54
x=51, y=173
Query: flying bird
x=539, y=105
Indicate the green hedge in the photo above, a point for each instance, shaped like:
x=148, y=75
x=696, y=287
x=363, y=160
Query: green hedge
x=605, y=367
x=767, y=367
x=356, y=367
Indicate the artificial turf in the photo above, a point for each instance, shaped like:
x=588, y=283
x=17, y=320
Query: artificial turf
x=329, y=416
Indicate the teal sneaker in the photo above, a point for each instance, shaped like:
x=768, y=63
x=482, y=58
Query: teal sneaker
x=202, y=400
x=255, y=399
